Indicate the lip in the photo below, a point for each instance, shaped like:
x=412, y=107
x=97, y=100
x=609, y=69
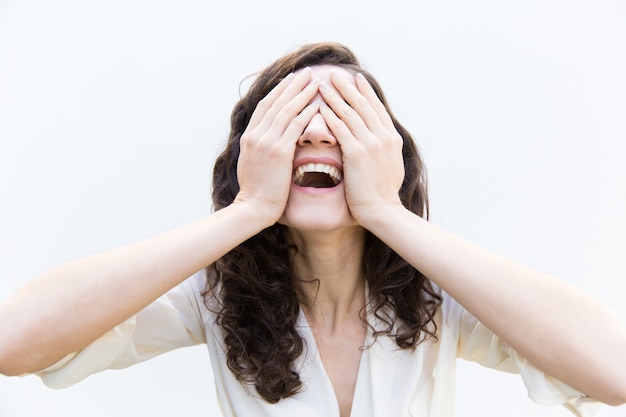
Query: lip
x=317, y=160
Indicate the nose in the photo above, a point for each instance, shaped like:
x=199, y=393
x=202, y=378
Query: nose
x=317, y=133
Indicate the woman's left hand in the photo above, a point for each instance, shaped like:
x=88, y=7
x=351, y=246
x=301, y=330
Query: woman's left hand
x=373, y=166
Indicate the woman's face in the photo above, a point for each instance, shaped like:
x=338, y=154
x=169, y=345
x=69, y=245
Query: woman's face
x=316, y=199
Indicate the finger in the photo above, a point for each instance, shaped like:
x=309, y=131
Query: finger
x=292, y=82
x=339, y=129
x=264, y=104
x=359, y=102
x=368, y=92
x=342, y=110
x=298, y=124
x=292, y=109
x=272, y=105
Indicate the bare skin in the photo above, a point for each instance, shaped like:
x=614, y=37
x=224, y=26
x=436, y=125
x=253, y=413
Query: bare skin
x=110, y=287
x=332, y=301
x=330, y=280
x=340, y=350
x=550, y=315
x=348, y=127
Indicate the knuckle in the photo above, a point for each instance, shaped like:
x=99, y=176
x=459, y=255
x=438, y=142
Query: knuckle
x=244, y=140
x=264, y=140
x=345, y=112
x=299, y=122
x=265, y=102
x=362, y=102
x=288, y=108
x=393, y=139
x=275, y=152
x=278, y=152
x=335, y=124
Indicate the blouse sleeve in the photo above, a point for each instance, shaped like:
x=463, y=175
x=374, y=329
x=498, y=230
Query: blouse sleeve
x=171, y=322
x=479, y=344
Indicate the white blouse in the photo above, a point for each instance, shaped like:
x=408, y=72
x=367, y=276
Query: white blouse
x=390, y=381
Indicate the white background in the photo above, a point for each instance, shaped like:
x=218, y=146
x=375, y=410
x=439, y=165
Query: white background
x=111, y=114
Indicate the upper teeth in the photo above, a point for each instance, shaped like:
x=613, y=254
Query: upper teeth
x=333, y=172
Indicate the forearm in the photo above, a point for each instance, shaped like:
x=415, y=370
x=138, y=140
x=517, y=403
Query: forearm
x=557, y=327
x=71, y=305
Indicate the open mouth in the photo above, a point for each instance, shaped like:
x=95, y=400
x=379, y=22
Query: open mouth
x=317, y=176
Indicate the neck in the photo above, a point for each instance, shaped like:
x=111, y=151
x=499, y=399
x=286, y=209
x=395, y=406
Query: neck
x=330, y=280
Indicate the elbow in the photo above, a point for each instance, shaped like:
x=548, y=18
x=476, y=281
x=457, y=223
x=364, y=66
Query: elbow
x=16, y=365
x=12, y=349
x=617, y=396
x=614, y=392
x=10, y=370
x=9, y=364
x=8, y=359
x=17, y=355
x=22, y=349
x=609, y=368
x=617, y=390
x=12, y=361
x=616, y=400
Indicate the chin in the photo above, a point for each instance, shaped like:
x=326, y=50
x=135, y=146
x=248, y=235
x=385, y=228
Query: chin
x=317, y=219
x=317, y=210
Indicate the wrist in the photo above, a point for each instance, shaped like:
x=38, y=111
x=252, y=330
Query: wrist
x=254, y=214
x=379, y=216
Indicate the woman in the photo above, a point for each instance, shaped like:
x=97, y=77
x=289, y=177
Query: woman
x=328, y=293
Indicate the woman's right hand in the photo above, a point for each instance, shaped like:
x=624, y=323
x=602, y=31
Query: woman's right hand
x=109, y=287
x=268, y=144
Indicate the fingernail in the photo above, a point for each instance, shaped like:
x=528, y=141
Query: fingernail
x=361, y=76
x=323, y=85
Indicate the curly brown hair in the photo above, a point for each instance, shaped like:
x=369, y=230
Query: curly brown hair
x=253, y=283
